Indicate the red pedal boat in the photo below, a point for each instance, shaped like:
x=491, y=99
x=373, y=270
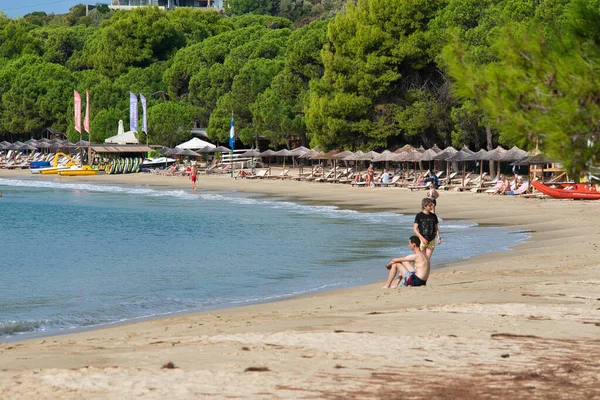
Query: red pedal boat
x=578, y=191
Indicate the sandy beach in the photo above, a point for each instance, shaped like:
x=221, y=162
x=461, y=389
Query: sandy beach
x=519, y=324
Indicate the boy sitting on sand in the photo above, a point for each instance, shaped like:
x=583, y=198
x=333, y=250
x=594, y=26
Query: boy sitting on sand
x=413, y=268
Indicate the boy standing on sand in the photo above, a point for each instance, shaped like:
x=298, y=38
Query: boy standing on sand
x=413, y=268
x=426, y=227
x=194, y=176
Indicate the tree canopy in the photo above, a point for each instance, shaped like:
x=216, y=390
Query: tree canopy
x=366, y=74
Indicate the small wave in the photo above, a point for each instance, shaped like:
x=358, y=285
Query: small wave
x=303, y=209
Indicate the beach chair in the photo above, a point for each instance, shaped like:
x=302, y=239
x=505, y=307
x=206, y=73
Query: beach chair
x=497, y=187
x=520, y=190
x=261, y=173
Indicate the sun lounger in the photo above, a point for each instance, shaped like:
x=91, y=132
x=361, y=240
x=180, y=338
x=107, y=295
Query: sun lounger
x=261, y=173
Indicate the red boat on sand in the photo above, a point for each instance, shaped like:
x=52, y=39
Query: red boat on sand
x=577, y=191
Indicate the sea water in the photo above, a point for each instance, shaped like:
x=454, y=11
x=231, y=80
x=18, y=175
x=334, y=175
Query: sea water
x=77, y=255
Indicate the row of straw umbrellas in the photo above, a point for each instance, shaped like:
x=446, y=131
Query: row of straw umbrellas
x=407, y=153
x=34, y=144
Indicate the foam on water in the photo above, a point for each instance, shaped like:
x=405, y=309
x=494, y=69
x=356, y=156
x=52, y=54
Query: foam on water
x=108, y=253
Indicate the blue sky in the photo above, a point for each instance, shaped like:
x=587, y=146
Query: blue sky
x=19, y=8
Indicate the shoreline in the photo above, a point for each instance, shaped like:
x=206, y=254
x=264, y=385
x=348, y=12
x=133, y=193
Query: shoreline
x=524, y=302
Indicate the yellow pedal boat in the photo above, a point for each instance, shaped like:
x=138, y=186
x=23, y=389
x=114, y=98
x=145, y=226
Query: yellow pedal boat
x=78, y=171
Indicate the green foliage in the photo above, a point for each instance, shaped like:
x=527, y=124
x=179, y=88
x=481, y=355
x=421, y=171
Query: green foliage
x=16, y=39
x=354, y=104
x=541, y=90
x=240, y=7
x=35, y=96
x=105, y=123
x=169, y=123
x=132, y=39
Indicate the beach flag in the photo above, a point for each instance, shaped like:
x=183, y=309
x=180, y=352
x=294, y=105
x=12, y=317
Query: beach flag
x=86, y=120
x=133, y=112
x=232, y=133
x=144, y=123
x=77, y=111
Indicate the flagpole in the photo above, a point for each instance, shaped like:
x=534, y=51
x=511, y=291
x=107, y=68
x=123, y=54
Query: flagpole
x=231, y=141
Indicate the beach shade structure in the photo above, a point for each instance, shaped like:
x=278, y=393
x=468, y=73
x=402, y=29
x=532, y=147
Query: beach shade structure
x=163, y=150
x=205, y=150
x=82, y=143
x=436, y=149
x=479, y=156
x=405, y=149
x=222, y=149
x=17, y=143
x=268, y=153
x=43, y=145
x=11, y=146
x=341, y=155
x=189, y=153
x=283, y=153
x=31, y=141
x=446, y=153
x=195, y=144
x=513, y=154
x=330, y=155
x=5, y=143
x=428, y=155
x=298, y=151
x=385, y=156
x=538, y=159
x=25, y=146
x=462, y=156
x=251, y=153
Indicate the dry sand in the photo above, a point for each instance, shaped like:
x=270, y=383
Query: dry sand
x=519, y=324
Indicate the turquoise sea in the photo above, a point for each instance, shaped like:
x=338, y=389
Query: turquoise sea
x=80, y=255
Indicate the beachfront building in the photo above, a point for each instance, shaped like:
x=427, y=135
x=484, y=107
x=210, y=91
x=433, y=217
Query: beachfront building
x=167, y=4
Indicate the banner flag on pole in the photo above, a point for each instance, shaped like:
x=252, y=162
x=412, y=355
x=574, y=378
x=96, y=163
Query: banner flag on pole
x=232, y=134
x=144, y=123
x=133, y=112
x=86, y=120
x=77, y=111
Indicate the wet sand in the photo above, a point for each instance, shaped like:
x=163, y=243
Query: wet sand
x=518, y=324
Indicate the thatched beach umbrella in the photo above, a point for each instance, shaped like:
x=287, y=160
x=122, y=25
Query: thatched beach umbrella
x=478, y=156
x=538, y=159
x=283, y=153
x=251, y=153
x=341, y=155
x=25, y=146
x=297, y=152
x=446, y=153
x=221, y=149
x=514, y=154
x=461, y=156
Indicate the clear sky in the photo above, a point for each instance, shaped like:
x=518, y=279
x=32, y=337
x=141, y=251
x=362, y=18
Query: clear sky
x=18, y=8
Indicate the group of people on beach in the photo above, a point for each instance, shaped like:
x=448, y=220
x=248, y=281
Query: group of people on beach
x=413, y=269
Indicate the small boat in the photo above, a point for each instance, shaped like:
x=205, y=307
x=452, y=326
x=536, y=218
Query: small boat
x=158, y=162
x=78, y=171
x=577, y=191
x=56, y=166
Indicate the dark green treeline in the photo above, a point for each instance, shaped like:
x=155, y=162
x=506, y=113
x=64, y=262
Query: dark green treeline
x=362, y=75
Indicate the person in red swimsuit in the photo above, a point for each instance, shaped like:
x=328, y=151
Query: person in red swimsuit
x=194, y=176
